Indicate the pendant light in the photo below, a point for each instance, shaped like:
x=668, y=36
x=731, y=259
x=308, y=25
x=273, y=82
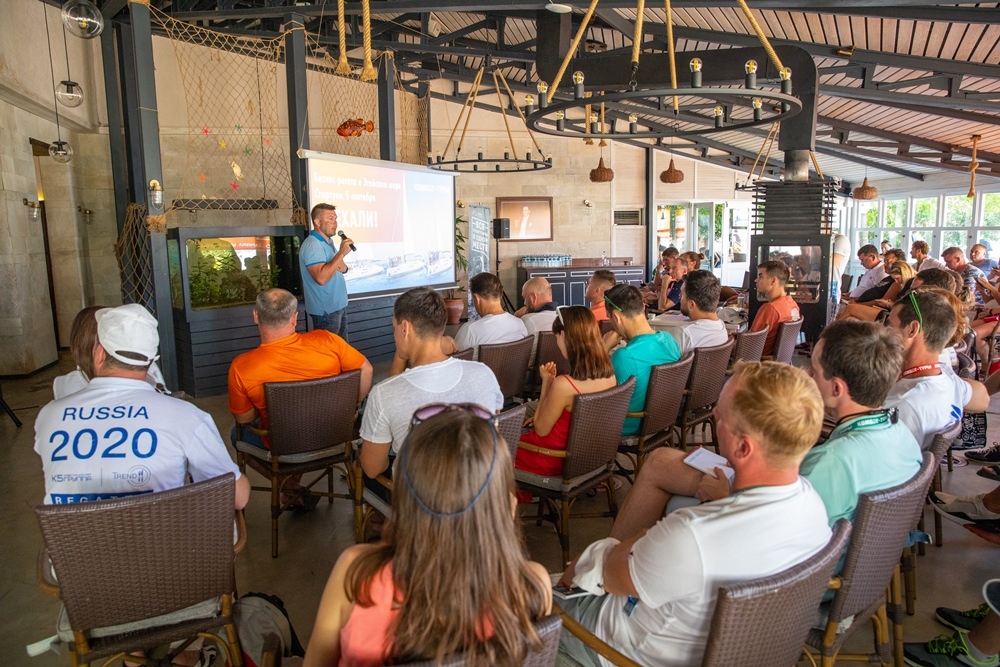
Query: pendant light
x=59, y=150
x=82, y=18
x=68, y=92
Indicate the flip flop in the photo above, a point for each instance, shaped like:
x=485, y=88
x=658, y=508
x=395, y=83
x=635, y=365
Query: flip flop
x=990, y=472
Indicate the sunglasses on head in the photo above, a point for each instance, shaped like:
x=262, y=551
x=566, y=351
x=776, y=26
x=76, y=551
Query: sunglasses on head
x=559, y=310
x=434, y=409
x=613, y=304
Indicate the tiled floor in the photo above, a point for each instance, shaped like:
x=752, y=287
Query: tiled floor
x=309, y=544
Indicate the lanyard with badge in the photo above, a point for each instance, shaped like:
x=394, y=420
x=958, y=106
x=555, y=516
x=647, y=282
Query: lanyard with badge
x=872, y=419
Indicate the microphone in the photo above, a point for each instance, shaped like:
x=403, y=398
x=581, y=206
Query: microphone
x=343, y=236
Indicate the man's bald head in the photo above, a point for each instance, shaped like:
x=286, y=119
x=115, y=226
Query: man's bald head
x=536, y=293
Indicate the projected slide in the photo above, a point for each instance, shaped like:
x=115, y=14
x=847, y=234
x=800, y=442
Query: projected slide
x=400, y=217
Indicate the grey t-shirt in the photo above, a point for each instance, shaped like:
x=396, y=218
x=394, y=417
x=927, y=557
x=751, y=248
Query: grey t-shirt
x=392, y=402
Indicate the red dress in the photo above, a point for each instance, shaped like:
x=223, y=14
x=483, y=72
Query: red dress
x=543, y=464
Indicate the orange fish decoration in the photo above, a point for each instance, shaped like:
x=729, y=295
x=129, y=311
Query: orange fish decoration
x=353, y=127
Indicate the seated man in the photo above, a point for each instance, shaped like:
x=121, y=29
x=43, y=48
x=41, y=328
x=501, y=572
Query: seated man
x=670, y=295
x=599, y=283
x=920, y=251
x=539, y=309
x=285, y=356
x=118, y=436
x=494, y=324
x=930, y=401
x=954, y=259
x=418, y=322
x=977, y=257
x=644, y=347
x=656, y=589
x=699, y=301
x=874, y=273
x=772, y=277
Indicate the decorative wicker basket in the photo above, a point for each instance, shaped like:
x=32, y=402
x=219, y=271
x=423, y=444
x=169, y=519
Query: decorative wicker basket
x=602, y=174
x=865, y=191
x=671, y=174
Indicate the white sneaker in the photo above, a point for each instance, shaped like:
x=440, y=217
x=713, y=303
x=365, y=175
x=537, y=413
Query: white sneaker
x=962, y=509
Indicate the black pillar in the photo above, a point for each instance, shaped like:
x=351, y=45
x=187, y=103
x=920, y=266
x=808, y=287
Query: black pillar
x=143, y=138
x=116, y=139
x=652, y=248
x=387, y=107
x=298, y=113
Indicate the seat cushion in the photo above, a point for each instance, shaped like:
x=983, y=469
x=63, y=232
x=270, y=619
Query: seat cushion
x=304, y=457
x=206, y=609
x=556, y=483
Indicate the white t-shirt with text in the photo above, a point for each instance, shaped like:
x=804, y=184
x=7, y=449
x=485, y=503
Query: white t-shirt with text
x=929, y=405
x=500, y=328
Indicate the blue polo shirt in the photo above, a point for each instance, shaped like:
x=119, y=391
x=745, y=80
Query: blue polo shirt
x=321, y=299
x=636, y=358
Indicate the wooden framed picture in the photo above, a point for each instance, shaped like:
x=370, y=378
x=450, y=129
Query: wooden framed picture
x=530, y=217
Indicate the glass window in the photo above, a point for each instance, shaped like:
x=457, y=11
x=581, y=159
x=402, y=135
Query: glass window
x=671, y=224
x=866, y=237
x=991, y=210
x=895, y=239
x=868, y=214
x=954, y=240
x=958, y=211
x=991, y=239
x=803, y=265
x=739, y=234
x=895, y=213
x=925, y=212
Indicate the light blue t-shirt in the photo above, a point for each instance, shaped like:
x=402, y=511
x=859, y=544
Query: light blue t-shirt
x=321, y=299
x=863, y=454
x=636, y=358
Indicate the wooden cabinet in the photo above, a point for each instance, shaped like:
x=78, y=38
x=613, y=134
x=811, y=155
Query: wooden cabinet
x=569, y=284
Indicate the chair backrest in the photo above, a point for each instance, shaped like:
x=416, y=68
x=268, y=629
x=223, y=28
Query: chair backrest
x=708, y=373
x=605, y=326
x=548, y=350
x=665, y=395
x=141, y=556
x=509, y=362
x=846, y=281
x=750, y=345
x=764, y=622
x=595, y=429
x=943, y=441
x=311, y=414
x=882, y=523
x=549, y=628
x=465, y=355
x=509, y=424
x=784, y=342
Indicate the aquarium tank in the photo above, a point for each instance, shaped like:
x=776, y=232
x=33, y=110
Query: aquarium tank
x=226, y=271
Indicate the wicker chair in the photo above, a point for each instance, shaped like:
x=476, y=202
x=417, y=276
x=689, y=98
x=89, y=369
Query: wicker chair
x=546, y=351
x=708, y=373
x=749, y=345
x=594, y=433
x=143, y=571
x=882, y=522
x=605, y=326
x=310, y=424
x=509, y=425
x=509, y=362
x=549, y=629
x=784, y=341
x=664, y=398
x=465, y=355
x=758, y=623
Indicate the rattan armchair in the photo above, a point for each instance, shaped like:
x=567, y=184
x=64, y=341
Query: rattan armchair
x=594, y=433
x=509, y=425
x=750, y=345
x=310, y=424
x=708, y=374
x=882, y=523
x=784, y=341
x=141, y=572
x=757, y=623
x=549, y=629
x=605, y=326
x=366, y=501
x=465, y=355
x=664, y=398
x=509, y=362
x=548, y=350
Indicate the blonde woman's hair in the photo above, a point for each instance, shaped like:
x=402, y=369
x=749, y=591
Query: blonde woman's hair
x=693, y=259
x=780, y=405
x=904, y=270
x=456, y=577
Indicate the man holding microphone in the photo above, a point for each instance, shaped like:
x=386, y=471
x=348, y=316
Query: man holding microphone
x=323, y=270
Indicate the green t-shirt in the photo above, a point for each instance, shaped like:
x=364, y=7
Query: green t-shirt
x=863, y=454
x=636, y=358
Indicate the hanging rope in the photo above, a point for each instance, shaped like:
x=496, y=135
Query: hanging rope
x=471, y=97
x=368, y=71
x=503, y=111
x=670, y=52
x=973, y=166
x=587, y=111
x=603, y=142
x=761, y=36
x=343, y=67
x=769, y=147
x=640, y=11
x=572, y=49
x=819, y=172
x=531, y=134
x=770, y=137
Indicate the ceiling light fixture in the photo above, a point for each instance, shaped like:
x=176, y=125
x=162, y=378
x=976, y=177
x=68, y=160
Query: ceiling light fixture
x=59, y=150
x=558, y=8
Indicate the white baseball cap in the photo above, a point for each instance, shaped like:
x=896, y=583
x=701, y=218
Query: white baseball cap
x=129, y=334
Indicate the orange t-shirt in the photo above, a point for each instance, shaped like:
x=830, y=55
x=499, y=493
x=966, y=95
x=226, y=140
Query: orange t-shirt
x=773, y=313
x=308, y=356
x=600, y=311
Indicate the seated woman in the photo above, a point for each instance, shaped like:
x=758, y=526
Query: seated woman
x=82, y=341
x=902, y=276
x=579, y=339
x=475, y=592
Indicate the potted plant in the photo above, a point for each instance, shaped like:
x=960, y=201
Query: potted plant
x=452, y=299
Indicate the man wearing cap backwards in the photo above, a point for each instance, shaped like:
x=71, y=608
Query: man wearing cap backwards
x=119, y=436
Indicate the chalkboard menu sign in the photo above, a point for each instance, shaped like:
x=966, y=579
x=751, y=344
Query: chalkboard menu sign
x=479, y=247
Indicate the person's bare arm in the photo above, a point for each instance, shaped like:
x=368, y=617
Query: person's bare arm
x=980, y=397
x=334, y=611
x=374, y=457
x=246, y=417
x=322, y=273
x=555, y=398
x=242, y=492
x=366, y=380
x=617, y=577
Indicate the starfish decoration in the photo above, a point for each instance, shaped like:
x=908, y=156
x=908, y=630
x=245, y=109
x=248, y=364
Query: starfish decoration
x=201, y=178
x=222, y=143
x=239, y=128
x=267, y=140
x=206, y=131
x=235, y=185
x=247, y=151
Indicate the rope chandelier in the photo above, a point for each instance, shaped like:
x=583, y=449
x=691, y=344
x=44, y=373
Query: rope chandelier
x=732, y=108
x=510, y=162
